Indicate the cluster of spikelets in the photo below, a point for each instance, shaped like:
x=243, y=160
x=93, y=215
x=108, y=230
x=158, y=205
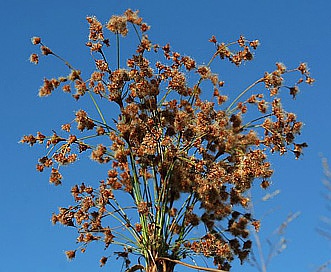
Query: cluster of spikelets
x=183, y=161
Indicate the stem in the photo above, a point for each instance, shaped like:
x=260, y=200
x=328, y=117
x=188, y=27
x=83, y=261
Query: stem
x=200, y=79
x=259, y=248
x=60, y=58
x=189, y=265
x=97, y=107
x=136, y=187
x=156, y=187
x=188, y=229
x=118, y=49
x=164, y=97
x=105, y=59
x=137, y=199
x=105, y=125
x=124, y=238
x=229, y=110
x=87, y=137
x=50, y=150
x=126, y=223
x=262, y=265
x=136, y=30
x=257, y=119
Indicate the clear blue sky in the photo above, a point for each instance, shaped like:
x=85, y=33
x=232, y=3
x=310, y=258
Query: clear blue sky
x=289, y=31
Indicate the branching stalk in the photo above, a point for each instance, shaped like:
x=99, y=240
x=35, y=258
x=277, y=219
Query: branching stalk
x=229, y=109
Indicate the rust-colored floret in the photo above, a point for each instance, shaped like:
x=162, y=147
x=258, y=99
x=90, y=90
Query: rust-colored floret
x=103, y=261
x=118, y=25
x=71, y=254
x=34, y=58
x=45, y=50
x=36, y=40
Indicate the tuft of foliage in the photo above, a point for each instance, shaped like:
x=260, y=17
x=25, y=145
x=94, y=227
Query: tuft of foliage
x=185, y=163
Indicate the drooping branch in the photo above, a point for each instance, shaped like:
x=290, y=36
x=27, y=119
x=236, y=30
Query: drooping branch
x=189, y=265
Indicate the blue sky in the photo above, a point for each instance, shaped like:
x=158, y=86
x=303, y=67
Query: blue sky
x=289, y=31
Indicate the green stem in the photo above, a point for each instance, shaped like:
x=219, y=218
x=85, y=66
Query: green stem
x=136, y=30
x=98, y=108
x=124, y=221
x=105, y=125
x=200, y=79
x=136, y=187
x=162, y=201
x=164, y=97
x=137, y=199
x=156, y=187
x=248, y=125
x=124, y=238
x=118, y=49
x=60, y=58
x=229, y=110
x=180, y=214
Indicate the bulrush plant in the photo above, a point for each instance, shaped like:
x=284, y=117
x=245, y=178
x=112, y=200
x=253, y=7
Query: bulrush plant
x=184, y=163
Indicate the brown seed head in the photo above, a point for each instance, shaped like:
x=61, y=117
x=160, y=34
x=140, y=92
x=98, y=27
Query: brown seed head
x=36, y=40
x=45, y=50
x=118, y=25
x=34, y=58
x=70, y=254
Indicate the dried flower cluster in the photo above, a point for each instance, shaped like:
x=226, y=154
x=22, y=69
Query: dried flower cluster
x=182, y=160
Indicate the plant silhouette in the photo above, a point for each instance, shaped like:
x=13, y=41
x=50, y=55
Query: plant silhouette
x=185, y=163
